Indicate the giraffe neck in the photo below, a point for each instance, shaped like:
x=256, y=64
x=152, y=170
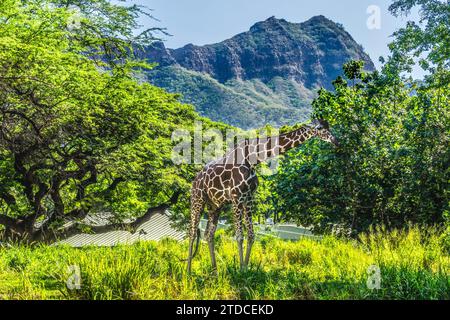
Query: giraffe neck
x=256, y=151
x=295, y=138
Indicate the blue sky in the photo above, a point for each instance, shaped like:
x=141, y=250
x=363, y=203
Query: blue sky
x=208, y=21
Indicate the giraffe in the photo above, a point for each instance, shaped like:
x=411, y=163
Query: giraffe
x=232, y=180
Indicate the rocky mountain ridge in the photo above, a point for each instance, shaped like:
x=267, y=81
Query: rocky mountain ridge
x=268, y=74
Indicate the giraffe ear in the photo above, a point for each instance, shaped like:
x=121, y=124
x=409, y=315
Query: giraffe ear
x=324, y=124
x=316, y=124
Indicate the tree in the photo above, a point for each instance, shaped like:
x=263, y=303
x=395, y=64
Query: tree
x=426, y=40
x=391, y=169
x=78, y=132
x=393, y=166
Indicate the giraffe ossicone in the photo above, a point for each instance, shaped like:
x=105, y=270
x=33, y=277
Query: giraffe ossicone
x=232, y=179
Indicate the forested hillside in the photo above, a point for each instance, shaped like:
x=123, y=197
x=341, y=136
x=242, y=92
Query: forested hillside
x=79, y=134
x=268, y=75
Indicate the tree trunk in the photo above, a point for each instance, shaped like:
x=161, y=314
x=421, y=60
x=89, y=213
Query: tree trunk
x=20, y=233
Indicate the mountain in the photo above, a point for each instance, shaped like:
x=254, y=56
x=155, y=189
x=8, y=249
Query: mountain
x=267, y=75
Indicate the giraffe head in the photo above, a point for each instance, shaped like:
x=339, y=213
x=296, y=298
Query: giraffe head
x=323, y=131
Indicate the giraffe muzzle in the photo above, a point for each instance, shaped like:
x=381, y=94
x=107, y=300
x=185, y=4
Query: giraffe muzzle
x=335, y=142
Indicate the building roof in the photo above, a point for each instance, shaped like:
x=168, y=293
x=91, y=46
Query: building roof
x=156, y=228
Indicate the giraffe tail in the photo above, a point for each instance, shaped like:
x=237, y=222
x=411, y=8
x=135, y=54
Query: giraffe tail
x=197, y=243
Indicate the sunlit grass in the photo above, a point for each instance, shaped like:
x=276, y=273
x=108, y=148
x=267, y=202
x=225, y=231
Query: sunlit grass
x=413, y=265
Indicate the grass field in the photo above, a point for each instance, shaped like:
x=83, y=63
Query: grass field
x=413, y=265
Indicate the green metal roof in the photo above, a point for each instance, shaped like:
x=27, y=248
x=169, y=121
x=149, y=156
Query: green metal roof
x=157, y=228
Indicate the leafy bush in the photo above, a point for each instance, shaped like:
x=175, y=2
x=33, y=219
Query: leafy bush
x=392, y=166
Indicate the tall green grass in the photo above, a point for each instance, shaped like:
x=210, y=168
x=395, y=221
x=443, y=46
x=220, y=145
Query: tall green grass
x=413, y=265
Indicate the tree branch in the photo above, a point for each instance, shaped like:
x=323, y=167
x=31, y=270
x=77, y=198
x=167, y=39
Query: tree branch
x=8, y=198
x=7, y=221
x=26, y=118
x=132, y=226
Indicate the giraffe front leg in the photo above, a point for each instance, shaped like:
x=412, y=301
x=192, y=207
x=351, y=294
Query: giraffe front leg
x=238, y=213
x=210, y=231
x=250, y=232
x=191, y=250
x=197, y=205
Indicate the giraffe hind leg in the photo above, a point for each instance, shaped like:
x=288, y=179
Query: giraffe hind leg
x=250, y=233
x=238, y=213
x=213, y=219
x=197, y=205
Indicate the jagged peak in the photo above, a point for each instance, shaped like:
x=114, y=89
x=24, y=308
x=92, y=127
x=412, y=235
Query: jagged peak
x=320, y=19
x=276, y=23
x=274, y=19
x=269, y=23
x=158, y=45
x=281, y=60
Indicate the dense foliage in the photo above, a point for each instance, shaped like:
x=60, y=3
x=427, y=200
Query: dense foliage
x=425, y=41
x=242, y=103
x=393, y=164
x=78, y=132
